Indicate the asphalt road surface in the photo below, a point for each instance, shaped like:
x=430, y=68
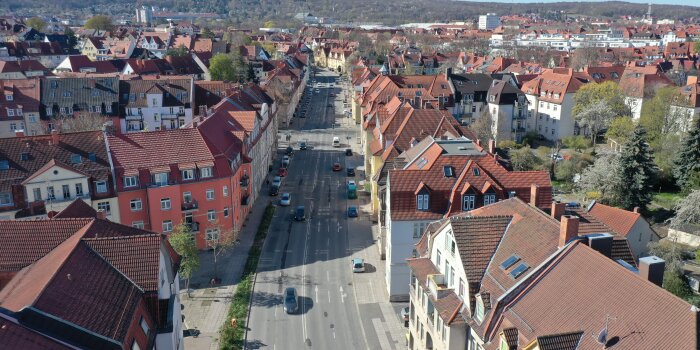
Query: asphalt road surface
x=338, y=309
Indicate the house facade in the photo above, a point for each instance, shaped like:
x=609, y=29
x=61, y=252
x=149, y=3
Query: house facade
x=19, y=107
x=155, y=104
x=507, y=106
x=80, y=100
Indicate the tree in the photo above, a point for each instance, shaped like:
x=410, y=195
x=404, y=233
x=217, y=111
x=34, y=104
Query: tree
x=36, y=23
x=597, y=104
x=687, y=161
x=72, y=39
x=658, y=117
x=207, y=33
x=601, y=180
x=687, y=211
x=620, y=129
x=182, y=241
x=84, y=121
x=576, y=143
x=219, y=241
x=221, y=68
x=523, y=159
x=674, y=281
x=483, y=127
x=269, y=24
x=177, y=52
x=585, y=56
x=638, y=171
x=99, y=22
x=567, y=169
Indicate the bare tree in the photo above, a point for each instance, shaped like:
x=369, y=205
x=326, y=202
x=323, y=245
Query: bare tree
x=220, y=240
x=585, y=56
x=687, y=211
x=84, y=121
x=483, y=127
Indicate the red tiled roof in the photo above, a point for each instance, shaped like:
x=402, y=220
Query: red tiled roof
x=16, y=336
x=421, y=268
x=620, y=220
x=563, y=341
x=77, y=209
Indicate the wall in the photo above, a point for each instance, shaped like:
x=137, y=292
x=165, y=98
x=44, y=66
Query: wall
x=687, y=238
x=639, y=237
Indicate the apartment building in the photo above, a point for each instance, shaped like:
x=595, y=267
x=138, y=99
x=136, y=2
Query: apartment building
x=638, y=83
x=19, y=107
x=489, y=21
x=687, y=105
x=155, y=104
x=84, y=97
x=507, y=106
x=470, y=90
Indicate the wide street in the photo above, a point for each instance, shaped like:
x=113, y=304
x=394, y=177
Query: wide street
x=338, y=309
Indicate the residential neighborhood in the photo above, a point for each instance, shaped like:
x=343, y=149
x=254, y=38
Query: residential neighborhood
x=175, y=179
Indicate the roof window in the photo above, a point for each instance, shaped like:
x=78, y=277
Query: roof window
x=519, y=270
x=447, y=170
x=24, y=156
x=4, y=164
x=421, y=163
x=76, y=158
x=476, y=172
x=510, y=261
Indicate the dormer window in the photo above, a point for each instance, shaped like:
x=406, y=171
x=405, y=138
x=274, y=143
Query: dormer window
x=479, y=312
x=489, y=198
x=468, y=202
x=9, y=97
x=422, y=201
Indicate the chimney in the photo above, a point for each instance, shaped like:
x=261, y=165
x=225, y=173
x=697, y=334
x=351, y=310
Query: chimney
x=495, y=158
x=101, y=214
x=692, y=80
x=19, y=133
x=568, y=229
x=55, y=137
x=492, y=146
x=558, y=209
x=651, y=268
x=534, y=194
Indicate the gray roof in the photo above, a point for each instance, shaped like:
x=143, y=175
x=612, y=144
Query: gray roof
x=80, y=93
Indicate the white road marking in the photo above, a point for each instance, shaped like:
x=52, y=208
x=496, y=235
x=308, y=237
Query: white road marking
x=329, y=296
x=316, y=290
x=303, y=278
x=342, y=295
x=328, y=276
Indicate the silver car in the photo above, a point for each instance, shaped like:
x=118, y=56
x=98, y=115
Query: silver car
x=290, y=300
x=286, y=199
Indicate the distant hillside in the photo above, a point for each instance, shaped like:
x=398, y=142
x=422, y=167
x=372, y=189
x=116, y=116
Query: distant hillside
x=388, y=12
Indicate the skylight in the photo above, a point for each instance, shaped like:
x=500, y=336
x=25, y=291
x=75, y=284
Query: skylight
x=421, y=163
x=447, y=170
x=4, y=164
x=510, y=261
x=476, y=171
x=519, y=270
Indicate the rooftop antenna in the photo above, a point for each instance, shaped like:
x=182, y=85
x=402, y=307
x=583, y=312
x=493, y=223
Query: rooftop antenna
x=602, y=337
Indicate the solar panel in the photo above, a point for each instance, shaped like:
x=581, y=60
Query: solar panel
x=519, y=270
x=510, y=261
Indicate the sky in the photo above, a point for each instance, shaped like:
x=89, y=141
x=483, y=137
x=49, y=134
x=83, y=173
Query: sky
x=653, y=3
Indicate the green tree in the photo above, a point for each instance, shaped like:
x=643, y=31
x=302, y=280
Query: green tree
x=177, y=52
x=576, y=143
x=658, y=117
x=221, y=68
x=99, y=22
x=183, y=243
x=687, y=161
x=72, y=39
x=269, y=24
x=597, y=104
x=620, y=129
x=523, y=159
x=207, y=33
x=36, y=23
x=638, y=171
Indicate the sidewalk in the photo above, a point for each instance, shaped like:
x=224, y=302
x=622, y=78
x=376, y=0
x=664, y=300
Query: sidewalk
x=206, y=310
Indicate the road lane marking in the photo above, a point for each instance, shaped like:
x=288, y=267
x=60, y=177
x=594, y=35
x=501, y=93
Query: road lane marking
x=342, y=295
x=329, y=296
x=316, y=290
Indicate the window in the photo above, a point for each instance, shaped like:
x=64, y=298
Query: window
x=489, y=198
x=144, y=325
x=418, y=229
x=67, y=94
x=167, y=226
x=422, y=201
x=225, y=190
x=187, y=197
x=78, y=190
x=66, y=191
x=32, y=119
x=136, y=204
x=101, y=186
x=108, y=108
x=135, y=345
x=37, y=194
x=205, y=172
x=438, y=259
x=212, y=234
x=211, y=215
x=476, y=172
x=511, y=194
x=105, y=207
x=165, y=204
x=188, y=174
x=130, y=181
x=461, y=288
x=137, y=224
x=519, y=270
x=49, y=193
x=469, y=200
x=10, y=112
x=160, y=179
x=226, y=212
x=9, y=97
x=510, y=261
x=210, y=195
x=5, y=198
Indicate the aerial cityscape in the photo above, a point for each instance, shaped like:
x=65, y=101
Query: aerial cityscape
x=354, y=175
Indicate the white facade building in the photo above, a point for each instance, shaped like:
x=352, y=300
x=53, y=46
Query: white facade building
x=489, y=21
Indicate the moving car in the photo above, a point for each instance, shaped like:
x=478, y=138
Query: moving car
x=290, y=300
x=299, y=214
x=352, y=212
x=302, y=145
x=289, y=151
x=285, y=161
x=286, y=199
x=358, y=265
x=337, y=167
x=350, y=171
x=348, y=152
x=282, y=172
x=336, y=141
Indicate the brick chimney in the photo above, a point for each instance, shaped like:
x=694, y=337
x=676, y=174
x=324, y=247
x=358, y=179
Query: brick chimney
x=651, y=268
x=635, y=210
x=568, y=229
x=55, y=137
x=534, y=194
x=101, y=214
x=492, y=146
x=19, y=133
x=558, y=209
x=692, y=80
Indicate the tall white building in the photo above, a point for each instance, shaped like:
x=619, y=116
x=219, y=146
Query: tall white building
x=144, y=15
x=489, y=21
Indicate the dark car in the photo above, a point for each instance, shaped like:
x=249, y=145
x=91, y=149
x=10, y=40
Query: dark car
x=274, y=190
x=350, y=171
x=290, y=300
x=289, y=151
x=348, y=152
x=302, y=145
x=337, y=167
x=282, y=172
x=352, y=212
x=299, y=214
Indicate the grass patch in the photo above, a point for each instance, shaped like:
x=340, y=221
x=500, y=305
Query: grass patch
x=230, y=337
x=667, y=200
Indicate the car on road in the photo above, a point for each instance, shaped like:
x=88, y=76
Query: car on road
x=286, y=199
x=299, y=214
x=274, y=190
x=331, y=94
x=330, y=105
x=350, y=171
x=336, y=141
x=337, y=167
x=358, y=265
x=282, y=172
x=289, y=151
x=291, y=305
x=348, y=152
x=285, y=161
x=352, y=212
x=277, y=181
x=302, y=145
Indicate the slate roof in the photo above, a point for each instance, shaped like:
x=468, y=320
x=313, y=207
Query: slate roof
x=81, y=93
x=209, y=93
x=40, y=152
x=16, y=336
x=503, y=93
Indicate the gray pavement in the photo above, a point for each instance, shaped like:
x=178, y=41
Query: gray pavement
x=338, y=309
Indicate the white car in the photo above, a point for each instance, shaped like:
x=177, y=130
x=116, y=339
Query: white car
x=358, y=265
x=286, y=199
x=336, y=141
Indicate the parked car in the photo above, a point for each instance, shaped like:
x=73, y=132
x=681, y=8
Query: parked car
x=350, y=171
x=556, y=157
x=405, y=312
x=282, y=172
x=286, y=199
x=289, y=151
x=352, y=212
x=274, y=190
x=285, y=161
x=358, y=265
x=336, y=141
x=337, y=167
x=276, y=181
x=302, y=145
x=299, y=214
x=348, y=152
x=291, y=305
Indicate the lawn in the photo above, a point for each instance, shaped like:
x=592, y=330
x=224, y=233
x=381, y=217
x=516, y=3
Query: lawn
x=666, y=200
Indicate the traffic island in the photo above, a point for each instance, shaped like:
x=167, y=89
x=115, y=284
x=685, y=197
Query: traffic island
x=233, y=330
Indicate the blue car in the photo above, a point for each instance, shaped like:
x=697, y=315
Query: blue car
x=352, y=212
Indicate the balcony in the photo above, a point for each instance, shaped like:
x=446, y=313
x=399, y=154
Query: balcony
x=244, y=181
x=437, y=284
x=193, y=226
x=191, y=205
x=245, y=200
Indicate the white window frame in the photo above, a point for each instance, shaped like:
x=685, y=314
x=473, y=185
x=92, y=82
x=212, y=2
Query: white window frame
x=101, y=186
x=6, y=199
x=105, y=206
x=468, y=202
x=137, y=224
x=206, y=172
x=225, y=191
x=187, y=174
x=489, y=198
x=166, y=204
x=226, y=212
x=131, y=181
x=210, y=195
x=423, y=201
x=211, y=215
x=136, y=204
x=167, y=226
